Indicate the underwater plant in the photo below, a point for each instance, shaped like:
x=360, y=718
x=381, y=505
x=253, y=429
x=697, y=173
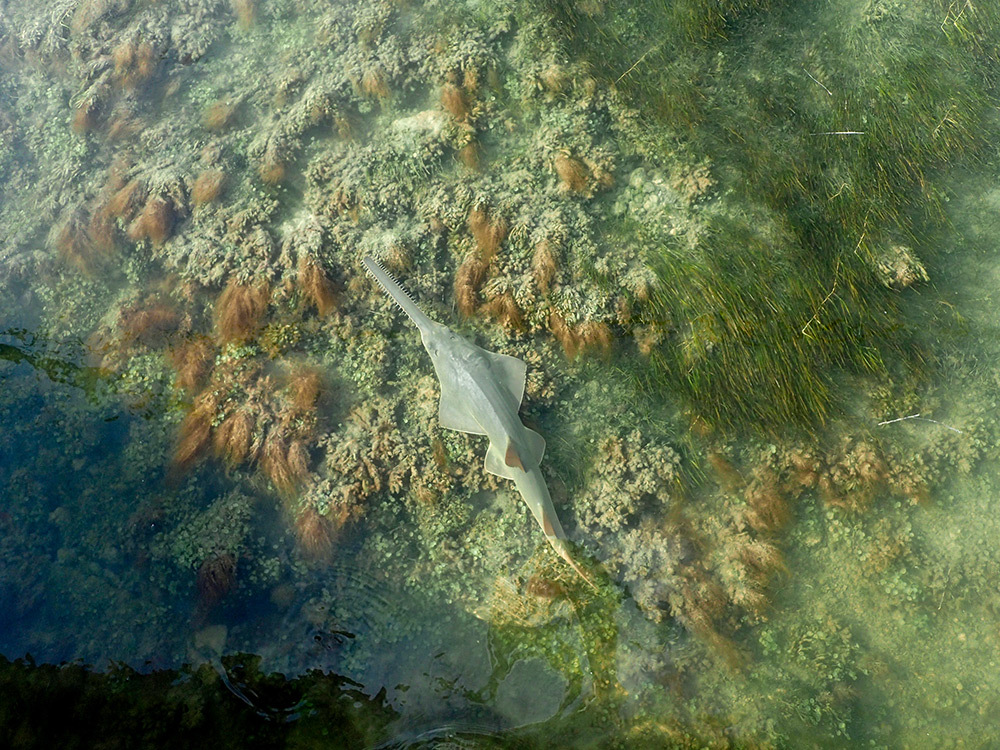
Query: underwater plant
x=453, y=100
x=488, y=230
x=127, y=198
x=191, y=360
x=573, y=173
x=544, y=266
x=149, y=323
x=756, y=314
x=239, y=310
x=74, y=244
x=155, y=221
x=134, y=63
x=232, y=438
x=246, y=13
x=502, y=307
x=207, y=186
x=275, y=462
x=317, y=286
x=468, y=279
x=195, y=433
x=315, y=534
x=216, y=577
x=306, y=385
x=220, y=114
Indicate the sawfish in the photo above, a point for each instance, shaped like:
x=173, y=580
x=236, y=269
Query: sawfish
x=481, y=394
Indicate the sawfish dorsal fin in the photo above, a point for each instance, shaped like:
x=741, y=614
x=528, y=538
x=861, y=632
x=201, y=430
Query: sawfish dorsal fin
x=499, y=459
x=495, y=463
x=511, y=458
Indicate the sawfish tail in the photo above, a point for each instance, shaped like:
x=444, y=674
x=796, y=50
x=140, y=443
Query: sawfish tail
x=535, y=492
x=562, y=549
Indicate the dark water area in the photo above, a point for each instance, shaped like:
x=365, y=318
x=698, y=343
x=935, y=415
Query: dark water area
x=120, y=707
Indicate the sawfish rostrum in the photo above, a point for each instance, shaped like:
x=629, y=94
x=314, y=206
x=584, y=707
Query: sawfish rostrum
x=481, y=393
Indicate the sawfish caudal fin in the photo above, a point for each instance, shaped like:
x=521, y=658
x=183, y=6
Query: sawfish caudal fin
x=562, y=549
x=398, y=293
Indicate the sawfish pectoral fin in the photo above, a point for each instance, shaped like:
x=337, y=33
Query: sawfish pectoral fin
x=453, y=414
x=511, y=373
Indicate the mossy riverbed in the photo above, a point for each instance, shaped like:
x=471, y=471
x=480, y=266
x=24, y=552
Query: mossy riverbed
x=747, y=248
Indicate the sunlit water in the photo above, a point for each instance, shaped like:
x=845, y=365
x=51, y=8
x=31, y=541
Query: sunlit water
x=862, y=612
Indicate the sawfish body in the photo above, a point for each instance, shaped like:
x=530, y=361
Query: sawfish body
x=481, y=393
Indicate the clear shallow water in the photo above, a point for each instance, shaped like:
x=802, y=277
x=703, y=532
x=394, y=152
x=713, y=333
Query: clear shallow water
x=812, y=585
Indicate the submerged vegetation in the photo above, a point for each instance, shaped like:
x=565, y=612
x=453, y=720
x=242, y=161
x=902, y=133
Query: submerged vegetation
x=823, y=165
x=713, y=229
